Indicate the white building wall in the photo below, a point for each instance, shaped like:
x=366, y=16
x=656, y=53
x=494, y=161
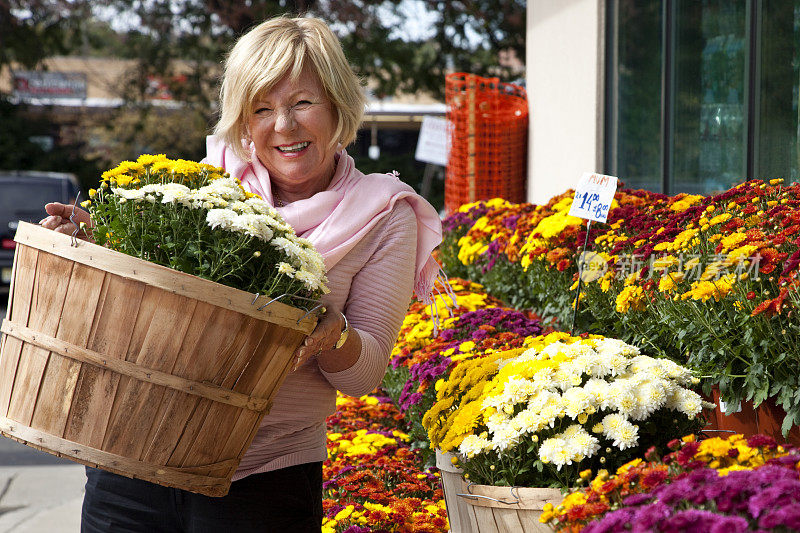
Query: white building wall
x=564, y=83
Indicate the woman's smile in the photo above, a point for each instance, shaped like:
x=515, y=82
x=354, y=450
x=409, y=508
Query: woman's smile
x=293, y=149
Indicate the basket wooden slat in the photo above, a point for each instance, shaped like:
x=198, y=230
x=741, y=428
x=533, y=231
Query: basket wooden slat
x=12, y=347
x=96, y=387
x=62, y=373
x=49, y=291
x=452, y=484
x=135, y=368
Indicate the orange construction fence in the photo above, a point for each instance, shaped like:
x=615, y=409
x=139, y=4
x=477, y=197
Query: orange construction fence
x=488, y=122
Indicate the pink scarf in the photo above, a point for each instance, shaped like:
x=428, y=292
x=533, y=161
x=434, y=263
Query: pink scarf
x=336, y=219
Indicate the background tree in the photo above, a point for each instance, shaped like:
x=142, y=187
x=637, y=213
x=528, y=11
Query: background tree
x=30, y=31
x=179, y=45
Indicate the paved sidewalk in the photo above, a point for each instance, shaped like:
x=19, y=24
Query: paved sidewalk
x=41, y=498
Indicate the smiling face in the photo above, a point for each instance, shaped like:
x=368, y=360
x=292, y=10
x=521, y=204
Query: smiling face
x=292, y=127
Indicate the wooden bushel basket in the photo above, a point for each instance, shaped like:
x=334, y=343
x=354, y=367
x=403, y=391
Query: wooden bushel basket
x=452, y=484
x=135, y=368
x=508, y=509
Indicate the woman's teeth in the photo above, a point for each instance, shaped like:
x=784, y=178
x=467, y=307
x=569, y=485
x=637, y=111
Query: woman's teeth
x=293, y=147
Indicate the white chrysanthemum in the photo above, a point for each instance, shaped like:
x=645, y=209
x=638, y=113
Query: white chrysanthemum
x=542, y=379
x=286, y=269
x=575, y=400
x=685, y=401
x=552, y=350
x=613, y=421
x=128, y=194
x=220, y=218
x=544, y=398
x=241, y=208
x=577, y=367
x=473, y=445
x=598, y=390
x=650, y=396
x=554, y=451
x=564, y=379
x=626, y=437
x=311, y=281
x=580, y=443
x=620, y=396
x=600, y=366
x=550, y=413
x=504, y=436
x=577, y=350
x=528, y=421
x=528, y=355
x=616, y=364
x=495, y=421
x=258, y=205
x=254, y=225
x=515, y=390
x=675, y=371
x=642, y=364
x=290, y=248
x=609, y=347
x=620, y=431
x=308, y=257
x=175, y=193
x=223, y=188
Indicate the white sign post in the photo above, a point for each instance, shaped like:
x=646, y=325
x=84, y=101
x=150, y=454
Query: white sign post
x=593, y=196
x=433, y=144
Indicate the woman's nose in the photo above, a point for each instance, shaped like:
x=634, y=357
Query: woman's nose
x=285, y=121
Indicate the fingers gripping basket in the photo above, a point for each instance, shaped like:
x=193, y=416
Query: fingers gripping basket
x=135, y=368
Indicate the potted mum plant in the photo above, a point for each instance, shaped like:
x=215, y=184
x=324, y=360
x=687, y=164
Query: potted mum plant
x=521, y=426
x=148, y=353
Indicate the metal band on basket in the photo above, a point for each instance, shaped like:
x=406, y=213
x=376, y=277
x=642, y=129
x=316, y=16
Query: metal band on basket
x=479, y=496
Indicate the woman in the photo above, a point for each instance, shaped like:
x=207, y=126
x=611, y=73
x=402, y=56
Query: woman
x=289, y=104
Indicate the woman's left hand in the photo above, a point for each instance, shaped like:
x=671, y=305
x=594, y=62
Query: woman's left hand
x=58, y=220
x=322, y=339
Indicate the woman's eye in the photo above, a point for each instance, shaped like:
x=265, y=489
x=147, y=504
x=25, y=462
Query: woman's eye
x=263, y=111
x=302, y=104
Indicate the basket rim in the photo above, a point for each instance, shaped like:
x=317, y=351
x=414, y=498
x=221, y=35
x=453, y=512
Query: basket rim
x=162, y=277
x=519, y=498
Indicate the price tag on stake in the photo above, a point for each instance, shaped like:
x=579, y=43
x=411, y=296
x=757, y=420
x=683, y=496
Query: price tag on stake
x=593, y=196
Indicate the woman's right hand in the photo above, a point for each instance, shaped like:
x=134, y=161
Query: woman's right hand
x=58, y=220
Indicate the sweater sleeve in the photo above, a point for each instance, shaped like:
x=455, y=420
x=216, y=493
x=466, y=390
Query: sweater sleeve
x=378, y=300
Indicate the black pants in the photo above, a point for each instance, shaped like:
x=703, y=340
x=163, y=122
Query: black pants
x=287, y=500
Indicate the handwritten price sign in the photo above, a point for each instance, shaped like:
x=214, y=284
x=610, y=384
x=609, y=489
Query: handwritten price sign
x=593, y=196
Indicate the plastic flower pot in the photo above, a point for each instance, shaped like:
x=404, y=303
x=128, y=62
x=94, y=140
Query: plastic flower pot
x=743, y=420
x=770, y=418
x=766, y=419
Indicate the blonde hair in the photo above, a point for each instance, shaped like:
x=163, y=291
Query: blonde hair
x=278, y=47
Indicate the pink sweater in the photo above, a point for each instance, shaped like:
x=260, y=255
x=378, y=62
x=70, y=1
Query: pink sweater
x=373, y=284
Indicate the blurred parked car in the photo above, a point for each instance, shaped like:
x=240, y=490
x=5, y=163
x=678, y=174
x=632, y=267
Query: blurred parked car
x=22, y=197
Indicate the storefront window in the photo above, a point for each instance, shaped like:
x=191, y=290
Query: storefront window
x=702, y=94
x=709, y=89
x=635, y=147
x=777, y=149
